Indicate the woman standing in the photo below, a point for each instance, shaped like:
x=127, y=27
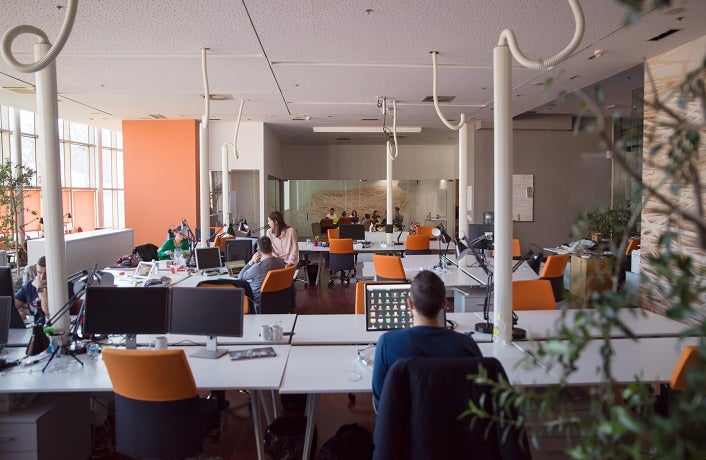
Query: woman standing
x=284, y=239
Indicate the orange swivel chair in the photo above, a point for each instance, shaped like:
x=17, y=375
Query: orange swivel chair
x=532, y=295
x=341, y=260
x=554, y=272
x=276, y=291
x=332, y=234
x=388, y=268
x=417, y=244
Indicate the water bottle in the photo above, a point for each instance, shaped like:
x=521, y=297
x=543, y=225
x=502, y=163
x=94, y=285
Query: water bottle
x=93, y=351
x=444, y=264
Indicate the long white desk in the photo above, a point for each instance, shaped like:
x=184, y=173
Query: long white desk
x=347, y=329
x=543, y=324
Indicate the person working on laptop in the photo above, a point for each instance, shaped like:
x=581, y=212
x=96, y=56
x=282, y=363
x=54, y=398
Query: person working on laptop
x=28, y=298
x=177, y=242
x=256, y=269
x=426, y=339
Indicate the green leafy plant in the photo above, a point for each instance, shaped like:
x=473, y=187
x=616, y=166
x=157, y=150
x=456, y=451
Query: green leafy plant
x=13, y=180
x=611, y=223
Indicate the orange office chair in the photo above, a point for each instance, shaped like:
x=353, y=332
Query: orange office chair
x=532, y=295
x=360, y=294
x=231, y=283
x=554, y=272
x=344, y=221
x=417, y=244
x=633, y=243
x=332, y=234
x=388, y=268
x=341, y=260
x=158, y=413
x=687, y=360
x=425, y=230
x=276, y=291
x=516, y=250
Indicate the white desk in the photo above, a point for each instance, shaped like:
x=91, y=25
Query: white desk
x=652, y=359
x=348, y=329
x=542, y=324
x=122, y=276
x=87, y=248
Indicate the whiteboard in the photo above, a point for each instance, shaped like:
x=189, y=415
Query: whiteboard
x=522, y=197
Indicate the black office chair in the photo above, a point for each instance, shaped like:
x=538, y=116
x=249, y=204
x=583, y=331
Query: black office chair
x=6, y=287
x=406, y=410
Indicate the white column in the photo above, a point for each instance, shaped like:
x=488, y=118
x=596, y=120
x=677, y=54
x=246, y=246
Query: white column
x=462, y=181
x=225, y=184
x=48, y=133
x=205, y=221
x=502, y=74
x=17, y=160
x=390, y=211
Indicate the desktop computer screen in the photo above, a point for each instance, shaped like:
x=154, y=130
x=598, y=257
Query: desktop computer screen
x=207, y=311
x=126, y=310
x=386, y=307
x=240, y=249
x=354, y=231
x=208, y=258
x=6, y=304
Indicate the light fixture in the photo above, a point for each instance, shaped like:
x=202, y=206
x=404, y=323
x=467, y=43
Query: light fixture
x=364, y=129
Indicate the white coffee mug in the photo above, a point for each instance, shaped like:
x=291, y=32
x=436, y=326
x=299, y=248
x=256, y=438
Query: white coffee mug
x=159, y=343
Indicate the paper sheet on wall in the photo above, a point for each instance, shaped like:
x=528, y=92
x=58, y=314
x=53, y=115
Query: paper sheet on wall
x=522, y=197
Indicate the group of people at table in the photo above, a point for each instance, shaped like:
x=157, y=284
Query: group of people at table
x=369, y=221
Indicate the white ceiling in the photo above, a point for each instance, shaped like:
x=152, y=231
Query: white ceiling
x=328, y=60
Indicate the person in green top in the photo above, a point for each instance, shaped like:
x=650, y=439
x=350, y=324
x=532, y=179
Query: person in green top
x=178, y=242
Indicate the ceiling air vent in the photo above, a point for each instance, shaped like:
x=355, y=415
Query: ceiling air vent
x=369, y=119
x=345, y=138
x=219, y=97
x=666, y=34
x=439, y=98
x=157, y=116
x=20, y=89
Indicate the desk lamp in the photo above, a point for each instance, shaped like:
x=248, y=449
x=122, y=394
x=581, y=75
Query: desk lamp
x=243, y=227
x=440, y=233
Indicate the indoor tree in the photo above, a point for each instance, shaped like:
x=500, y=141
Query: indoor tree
x=13, y=180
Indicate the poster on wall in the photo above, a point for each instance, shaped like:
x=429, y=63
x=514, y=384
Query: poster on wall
x=523, y=197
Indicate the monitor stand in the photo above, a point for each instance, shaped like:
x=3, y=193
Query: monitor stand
x=131, y=341
x=211, y=351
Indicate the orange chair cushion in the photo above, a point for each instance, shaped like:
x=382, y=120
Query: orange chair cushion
x=532, y=295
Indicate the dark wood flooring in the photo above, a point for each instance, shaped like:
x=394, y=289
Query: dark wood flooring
x=237, y=439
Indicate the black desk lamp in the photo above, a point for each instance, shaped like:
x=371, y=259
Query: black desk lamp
x=243, y=227
x=440, y=233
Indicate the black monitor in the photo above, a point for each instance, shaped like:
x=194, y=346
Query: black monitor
x=207, y=311
x=477, y=230
x=6, y=307
x=6, y=287
x=386, y=307
x=353, y=231
x=126, y=310
x=208, y=258
x=240, y=249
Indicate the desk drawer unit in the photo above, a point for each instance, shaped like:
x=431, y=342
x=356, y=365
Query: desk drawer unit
x=590, y=274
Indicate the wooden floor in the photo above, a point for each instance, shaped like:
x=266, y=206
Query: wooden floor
x=237, y=439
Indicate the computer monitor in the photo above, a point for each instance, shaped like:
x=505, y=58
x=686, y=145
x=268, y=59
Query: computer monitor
x=126, y=310
x=6, y=287
x=240, y=249
x=207, y=311
x=353, y=231
x=386, y=307
x=6, y=306
x=208, y=259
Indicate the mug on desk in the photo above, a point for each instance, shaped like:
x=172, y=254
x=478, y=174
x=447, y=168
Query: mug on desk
x=159, y=343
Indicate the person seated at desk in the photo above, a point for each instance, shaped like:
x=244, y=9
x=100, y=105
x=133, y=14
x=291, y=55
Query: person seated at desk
x=398, y=219
x=256, y=269
x=426, y=339
x=28, y=298
x=178, y=241
x=331, y=215
x=354, y=217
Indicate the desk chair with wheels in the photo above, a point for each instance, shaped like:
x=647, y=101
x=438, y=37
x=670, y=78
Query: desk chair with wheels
x=332, y=234
x=388, y=268
x=412, y=425
x=417, y=244
x=341, y=260
x=532, y=295
x=554, y=272
x=516, y=250
x=276, y=291
x=344, y=221
x=425, y=230
x=158, y=413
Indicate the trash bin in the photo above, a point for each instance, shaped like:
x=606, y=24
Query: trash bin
x=311, y=271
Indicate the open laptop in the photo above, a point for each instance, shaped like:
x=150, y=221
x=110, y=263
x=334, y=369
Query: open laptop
x=386, y=307
x=234, y=267
x=145, y=270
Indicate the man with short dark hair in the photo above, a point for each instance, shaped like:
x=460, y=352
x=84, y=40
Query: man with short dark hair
x=426, y=339
x=256, y=269
x=27, y=297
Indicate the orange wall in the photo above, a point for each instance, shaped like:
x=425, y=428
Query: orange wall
x=161, y=162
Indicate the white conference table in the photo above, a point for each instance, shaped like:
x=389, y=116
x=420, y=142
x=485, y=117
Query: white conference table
x=336, y=369
x=345, y=329
x=65, y=374
x=652, y=359
x=542, y=324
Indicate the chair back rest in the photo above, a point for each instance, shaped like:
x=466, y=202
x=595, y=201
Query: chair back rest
x=229, y=284
x=316, y=229
x=633, y=243
x=344, y=221
x=279, y=279
x=516, y=249
x=406, y=409
x=417, y=242
x=149, y=375
x=341, y=246
x=326, y=223
x=388, y=268
x=332, y=234
x=532, y=295
x=221, y=240
x=687, y=359
x=555, y=266
x=425, y=230
x=360, y=294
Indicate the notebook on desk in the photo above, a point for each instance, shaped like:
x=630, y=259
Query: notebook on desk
x=386, y=307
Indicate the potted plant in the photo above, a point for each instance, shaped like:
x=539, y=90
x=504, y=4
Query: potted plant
x=13, y=180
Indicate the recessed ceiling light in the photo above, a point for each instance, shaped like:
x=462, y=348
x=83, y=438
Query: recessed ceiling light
x=364, y=129
x=673, y=11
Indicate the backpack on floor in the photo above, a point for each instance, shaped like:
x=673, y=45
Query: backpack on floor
x=351, y=442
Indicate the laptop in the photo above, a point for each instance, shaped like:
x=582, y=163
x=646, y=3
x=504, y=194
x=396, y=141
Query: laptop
x=386, y=307
x=144, y=270
x=234, y=267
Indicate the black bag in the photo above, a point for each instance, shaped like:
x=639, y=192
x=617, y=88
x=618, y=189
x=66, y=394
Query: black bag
x=284, y=438
x=351, y=442
x=147, y=252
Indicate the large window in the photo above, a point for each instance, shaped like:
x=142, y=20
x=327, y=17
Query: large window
x=91, y=161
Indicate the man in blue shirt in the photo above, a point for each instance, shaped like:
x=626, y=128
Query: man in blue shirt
x=256, y=269
x=27, y=298
x=426, y=339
